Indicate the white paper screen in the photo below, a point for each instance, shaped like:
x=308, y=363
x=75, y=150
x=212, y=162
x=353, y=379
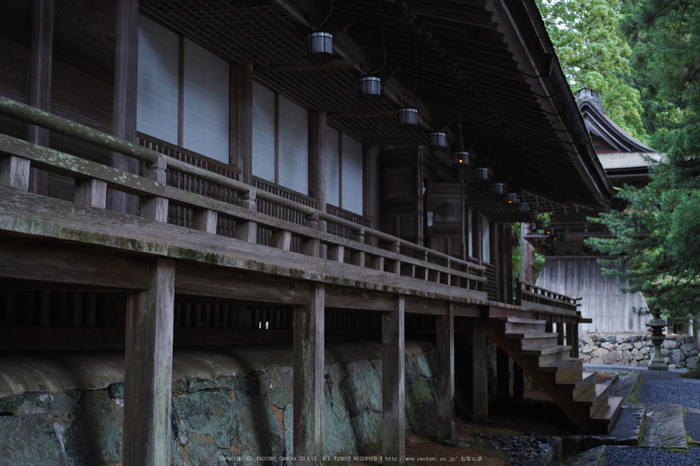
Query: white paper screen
x=263, y=132
x=293, y=146
x=332, y=167
x=206, y=112
x=157, y=91
x=352, y=175
x=485, y=241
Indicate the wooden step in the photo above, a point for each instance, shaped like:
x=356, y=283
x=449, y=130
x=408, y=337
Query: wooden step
x=567, y=371
x=518, y=325
x=608, y=414
x=587, y=383
x=596, y=398
x=549, y=355
x=534, y=340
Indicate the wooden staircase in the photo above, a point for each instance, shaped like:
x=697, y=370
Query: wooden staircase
x=587, y=404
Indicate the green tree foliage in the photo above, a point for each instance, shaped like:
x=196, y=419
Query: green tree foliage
x=658, y=234
x=594, y=53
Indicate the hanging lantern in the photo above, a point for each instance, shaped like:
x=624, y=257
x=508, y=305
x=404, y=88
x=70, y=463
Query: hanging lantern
x=320, y=46
x=460, y=158
x=511, y=198
x=540, y=224
x=548, y=230
x=533, y=215
x=370, y=88
x=523, y=207
x=437, y=139
x=497, y=188
x=481, y=174
x=407, y=116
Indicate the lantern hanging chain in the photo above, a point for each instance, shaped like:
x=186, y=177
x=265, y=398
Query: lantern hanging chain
x=415, y=62
x=381, y=26
x=329, y=15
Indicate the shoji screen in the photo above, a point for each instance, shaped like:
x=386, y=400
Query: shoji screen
x=206, y=103
x=157, y=92
x=352, y=175
x=263, y=132
x=293, y=146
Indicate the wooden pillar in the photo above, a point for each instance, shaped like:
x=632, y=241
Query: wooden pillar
x=527, y=256
x=574, y=339
x=560, y=333
x=480, y=383
x=445, y=388
x=372, y=197
x=241, y=136
x=393, y=384
x=309, y=332
x=40, y=83
x=509, y=263
x=502, y=374
x=317, y=158
x=14, y=172
x=518, y=382
x=148, y=368
x=125, y=80
x=495, y=238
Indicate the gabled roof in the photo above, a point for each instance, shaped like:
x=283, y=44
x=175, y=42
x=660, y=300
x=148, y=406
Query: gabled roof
x=607, y=135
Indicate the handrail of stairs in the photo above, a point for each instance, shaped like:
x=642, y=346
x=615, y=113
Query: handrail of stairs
x=538, y=298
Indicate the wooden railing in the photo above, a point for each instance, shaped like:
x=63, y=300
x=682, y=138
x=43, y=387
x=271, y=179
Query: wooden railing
x=532, y=297
x=93, y=179
x=346, y=215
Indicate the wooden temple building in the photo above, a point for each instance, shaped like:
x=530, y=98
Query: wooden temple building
x=182, y=173
x=572, y=268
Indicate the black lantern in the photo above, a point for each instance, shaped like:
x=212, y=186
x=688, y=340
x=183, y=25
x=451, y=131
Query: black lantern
x=533, y=215
x=370, y=88
x=497, y=188
x=540, y=224
x=407, y=116
x=437, y=139
x=320, y=45
x=481, y=174
x=511, y=198
x=548, y=230
x=523, y=207
x=460, y=159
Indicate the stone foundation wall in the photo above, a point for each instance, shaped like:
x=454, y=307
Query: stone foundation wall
x=235, y=416
x=627, y=349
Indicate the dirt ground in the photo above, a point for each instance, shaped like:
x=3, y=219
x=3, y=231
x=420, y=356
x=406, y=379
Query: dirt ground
x=535, y=415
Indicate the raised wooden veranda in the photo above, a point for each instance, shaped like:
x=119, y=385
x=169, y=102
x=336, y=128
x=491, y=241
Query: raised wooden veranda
x=260, y=258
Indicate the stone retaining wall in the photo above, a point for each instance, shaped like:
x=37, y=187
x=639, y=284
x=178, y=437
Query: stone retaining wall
x=636, y=350
x=234, y=416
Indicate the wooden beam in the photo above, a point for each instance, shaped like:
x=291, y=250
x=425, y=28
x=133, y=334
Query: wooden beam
x=218, y=282
x=480, y=379
x=38, y=261
x=317, y=159
x=393, y=384
x=125, y=83
x=40, y=82
x=148, y=368
x=308, y=377
x=445, y=387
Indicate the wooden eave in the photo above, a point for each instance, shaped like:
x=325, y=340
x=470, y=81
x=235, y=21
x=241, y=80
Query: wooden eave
x=484, y=58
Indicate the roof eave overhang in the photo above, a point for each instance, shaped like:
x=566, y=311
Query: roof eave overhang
x=522, y=24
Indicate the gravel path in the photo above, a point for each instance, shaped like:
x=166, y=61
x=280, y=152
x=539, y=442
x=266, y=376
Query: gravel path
x=668, y=387
x=619, y=456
